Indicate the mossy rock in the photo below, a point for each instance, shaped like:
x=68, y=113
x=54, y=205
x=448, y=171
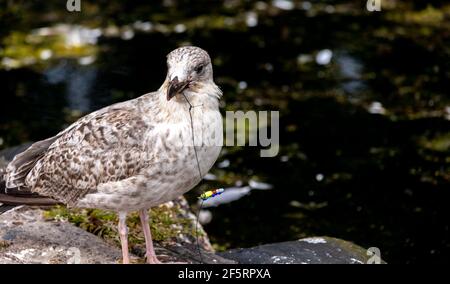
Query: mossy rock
x=170, y=223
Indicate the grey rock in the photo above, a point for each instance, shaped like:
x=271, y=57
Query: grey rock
x=25, y=237
x=316, y=250
x=184, y=253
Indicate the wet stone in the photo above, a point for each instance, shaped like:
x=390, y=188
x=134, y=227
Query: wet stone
x=315, y=250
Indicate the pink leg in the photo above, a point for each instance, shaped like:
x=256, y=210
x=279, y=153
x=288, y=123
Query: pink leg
x=123, y=233
x=150, y=252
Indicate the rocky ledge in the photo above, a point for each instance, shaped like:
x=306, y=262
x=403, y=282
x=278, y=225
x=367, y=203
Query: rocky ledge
x=60, y=235
x=314, y=250
x=28, y=235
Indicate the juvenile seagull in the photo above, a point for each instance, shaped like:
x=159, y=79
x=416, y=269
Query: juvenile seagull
x=132, y=155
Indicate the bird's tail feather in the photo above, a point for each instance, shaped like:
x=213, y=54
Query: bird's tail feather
x=9, y=201
x=18, y=169
x=17, y=194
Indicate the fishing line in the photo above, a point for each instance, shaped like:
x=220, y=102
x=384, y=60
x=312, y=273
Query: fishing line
x=196, y=231
x=192, y=132
x=199, y=172
x=205, y=195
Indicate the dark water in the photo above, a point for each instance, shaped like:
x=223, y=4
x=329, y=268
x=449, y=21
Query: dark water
x=365, y=136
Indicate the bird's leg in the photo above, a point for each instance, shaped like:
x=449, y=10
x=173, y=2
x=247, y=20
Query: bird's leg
x=123, y=233
x=149, y=250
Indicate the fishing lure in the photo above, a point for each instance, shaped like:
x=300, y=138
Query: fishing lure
x=204, y=196
x=211, y=193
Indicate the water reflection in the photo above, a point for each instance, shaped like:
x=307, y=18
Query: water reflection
x=363, y=100
x=350, y=70
x=78, y=83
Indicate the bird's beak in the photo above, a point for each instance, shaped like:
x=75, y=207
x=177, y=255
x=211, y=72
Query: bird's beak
x=175, y=87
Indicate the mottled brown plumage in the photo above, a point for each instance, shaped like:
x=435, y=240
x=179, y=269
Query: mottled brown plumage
x=135, y=154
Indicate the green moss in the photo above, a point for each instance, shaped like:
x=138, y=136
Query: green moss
x=221, y=246
x=439, y=143
x=23, y=49
x=165, y=223
x=4, y=244
x=429, y=16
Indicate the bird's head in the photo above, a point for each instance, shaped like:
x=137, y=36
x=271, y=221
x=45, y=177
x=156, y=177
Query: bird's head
x=189, y=68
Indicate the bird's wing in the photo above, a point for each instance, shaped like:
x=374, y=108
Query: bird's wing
x=104, y=146
x=19, y=168
x=21, y=165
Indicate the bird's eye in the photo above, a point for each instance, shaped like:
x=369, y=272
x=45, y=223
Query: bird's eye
x=199, y=69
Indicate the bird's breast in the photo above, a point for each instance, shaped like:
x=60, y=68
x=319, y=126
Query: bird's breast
x=180, y=150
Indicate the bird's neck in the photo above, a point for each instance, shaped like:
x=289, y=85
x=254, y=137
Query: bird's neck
x=204, y=95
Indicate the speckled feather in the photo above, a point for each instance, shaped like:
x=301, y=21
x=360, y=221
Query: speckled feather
x=131, y=155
